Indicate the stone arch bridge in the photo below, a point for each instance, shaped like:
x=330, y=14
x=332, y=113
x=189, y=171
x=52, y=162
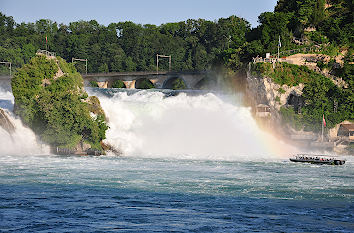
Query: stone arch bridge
x=159, y=79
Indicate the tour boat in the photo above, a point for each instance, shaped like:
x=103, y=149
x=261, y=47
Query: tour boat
x=317, y=159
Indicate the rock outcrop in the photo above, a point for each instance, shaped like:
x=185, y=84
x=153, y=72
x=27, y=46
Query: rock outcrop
x=5, y=122
x=51, y=100
x=262, y=90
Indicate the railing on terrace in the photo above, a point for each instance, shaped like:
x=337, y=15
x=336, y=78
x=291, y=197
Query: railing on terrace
x=315, y=49
x=274, y=59
x=45, y=52
x=269, y=60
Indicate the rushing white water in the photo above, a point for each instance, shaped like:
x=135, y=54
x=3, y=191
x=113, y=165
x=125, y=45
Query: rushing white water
x=23, y=140
x=149, y=124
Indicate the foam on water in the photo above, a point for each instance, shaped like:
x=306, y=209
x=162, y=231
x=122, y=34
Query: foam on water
x=149, y=124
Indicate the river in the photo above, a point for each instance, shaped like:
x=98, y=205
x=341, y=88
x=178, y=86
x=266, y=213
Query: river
x=192, y=162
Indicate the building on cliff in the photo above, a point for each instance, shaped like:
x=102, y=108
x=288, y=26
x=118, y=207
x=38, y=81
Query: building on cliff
x=346, y=131
x=263, y=110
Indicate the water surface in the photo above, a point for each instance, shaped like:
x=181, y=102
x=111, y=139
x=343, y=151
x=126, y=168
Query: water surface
x=51, y=193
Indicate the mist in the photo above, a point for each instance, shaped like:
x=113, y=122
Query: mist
x=206, y=126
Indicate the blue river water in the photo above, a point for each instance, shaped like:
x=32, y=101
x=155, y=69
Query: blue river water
x=48, y=193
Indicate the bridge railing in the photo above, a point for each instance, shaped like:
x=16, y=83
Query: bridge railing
x=45, y=52
x=314, y=49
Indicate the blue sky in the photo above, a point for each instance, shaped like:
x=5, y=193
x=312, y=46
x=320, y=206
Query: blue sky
x=139, y=11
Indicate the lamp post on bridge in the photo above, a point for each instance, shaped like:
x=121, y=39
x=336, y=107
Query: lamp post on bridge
x=77, y=59
x=157, y=62
x=7, y=62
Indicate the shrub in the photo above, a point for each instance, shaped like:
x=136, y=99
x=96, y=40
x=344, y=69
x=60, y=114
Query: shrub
x=281, y=90
x=317, y=37
x=290, y=117
x=178, y=84
x=284, y=73
x=144, y=84
x=93, y=84
x=331, y=50
x=322, y=65
x=118, y=84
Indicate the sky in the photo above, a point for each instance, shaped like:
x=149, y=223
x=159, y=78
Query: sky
x=139, y=11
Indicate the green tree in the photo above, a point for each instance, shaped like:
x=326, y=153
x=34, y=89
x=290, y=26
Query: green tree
x=178, y=84
x=118, y=84
x=103, y=68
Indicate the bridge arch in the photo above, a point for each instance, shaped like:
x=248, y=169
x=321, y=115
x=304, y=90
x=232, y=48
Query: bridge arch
x=177, y=83
x=143, y=83
x=118, y=84
x=156, y=80
x=204, y=84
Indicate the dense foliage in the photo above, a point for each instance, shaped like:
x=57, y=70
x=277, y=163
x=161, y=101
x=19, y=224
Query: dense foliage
x=144, y=84
x=346, y=72
x=178, y=84
x=332, y=18
x=321, y=96
x=284, y=73
x=330, y=21
x=193, y=44
x=124, y=46
x=54, y=107
x=118, y=84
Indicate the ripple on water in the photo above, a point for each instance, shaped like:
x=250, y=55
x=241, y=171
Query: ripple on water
x=44, y=193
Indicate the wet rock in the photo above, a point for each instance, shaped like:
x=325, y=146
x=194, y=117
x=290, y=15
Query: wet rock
x=5, y=122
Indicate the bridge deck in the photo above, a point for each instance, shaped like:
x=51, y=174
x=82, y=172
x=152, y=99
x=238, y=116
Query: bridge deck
x=114, y=74
x=139, y=73
x=117, y=74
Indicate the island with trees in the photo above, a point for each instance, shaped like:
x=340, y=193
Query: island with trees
x=51, y=100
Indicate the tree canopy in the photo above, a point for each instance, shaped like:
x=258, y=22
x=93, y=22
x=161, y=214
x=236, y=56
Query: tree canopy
x=194, y=44
x=124, y=46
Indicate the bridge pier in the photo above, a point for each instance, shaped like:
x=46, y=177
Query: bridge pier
x=102, y=84
x=157, y=82
x=129, y=84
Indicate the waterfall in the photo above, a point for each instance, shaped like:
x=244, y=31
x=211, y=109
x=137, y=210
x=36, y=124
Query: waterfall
x=205, y=126
x=160, y=124
x=20, y=140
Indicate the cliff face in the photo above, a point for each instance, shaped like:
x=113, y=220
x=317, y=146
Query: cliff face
x=262, y=90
